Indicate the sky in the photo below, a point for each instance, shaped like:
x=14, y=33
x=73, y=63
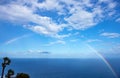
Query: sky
x=59, y=28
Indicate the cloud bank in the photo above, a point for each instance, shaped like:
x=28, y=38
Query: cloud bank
x=50, y=17
x=110, y=35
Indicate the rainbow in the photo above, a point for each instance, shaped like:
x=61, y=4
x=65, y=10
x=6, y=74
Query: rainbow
x=103, y=59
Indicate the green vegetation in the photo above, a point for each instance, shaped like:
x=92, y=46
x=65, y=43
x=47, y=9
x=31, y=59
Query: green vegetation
x=10, y=73
x=6, y=62
x=22, y=75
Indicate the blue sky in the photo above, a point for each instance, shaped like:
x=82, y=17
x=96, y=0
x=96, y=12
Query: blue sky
x=59, y=28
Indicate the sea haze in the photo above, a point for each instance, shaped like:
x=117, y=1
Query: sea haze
x=65, y=68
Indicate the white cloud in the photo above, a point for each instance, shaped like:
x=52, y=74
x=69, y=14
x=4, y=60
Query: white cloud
x=15, y=12
x=48, y=31
x=56, y=42
x=110, y=35
x=49, y=5
x=78, y=15
x=34, y=51
x=26, y=54
x=81, y=20
x=44, y=30
x=74, y=40
x=93, y=40
x=76, y=33
x=112, y=5
x=19, y=13
x=63, y=36
x=118, y=20
x=37, y=52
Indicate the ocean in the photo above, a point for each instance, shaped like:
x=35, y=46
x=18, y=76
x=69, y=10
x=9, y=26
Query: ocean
x=65, y=68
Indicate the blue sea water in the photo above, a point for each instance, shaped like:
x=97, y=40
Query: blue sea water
x=65, y=68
